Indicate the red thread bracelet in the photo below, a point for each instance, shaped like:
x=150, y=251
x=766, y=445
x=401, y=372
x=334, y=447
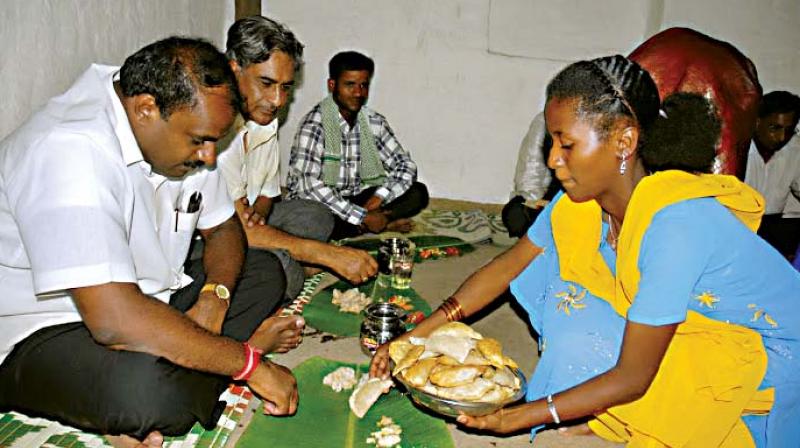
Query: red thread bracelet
x=252, y=358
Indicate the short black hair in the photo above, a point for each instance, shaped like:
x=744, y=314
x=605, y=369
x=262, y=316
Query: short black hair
x=779, y=102
x=683, y=135
x=349, y=61
x=172, y=70
x=252, y=40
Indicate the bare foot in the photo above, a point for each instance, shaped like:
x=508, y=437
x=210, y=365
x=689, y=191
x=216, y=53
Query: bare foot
x=581, y=429
x=279, y=334
x=404, y=225
x=311, y=270
x=154, y=439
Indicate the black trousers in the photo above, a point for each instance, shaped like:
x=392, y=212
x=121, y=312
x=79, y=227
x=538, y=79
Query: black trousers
x=782, y=233
x=409, y=204
x=62, y=374
x=517, y=217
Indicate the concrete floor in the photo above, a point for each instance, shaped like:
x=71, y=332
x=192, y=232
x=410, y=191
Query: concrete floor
x=435, y=281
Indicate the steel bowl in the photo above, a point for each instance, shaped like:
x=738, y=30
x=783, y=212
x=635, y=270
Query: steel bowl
x=452, y=408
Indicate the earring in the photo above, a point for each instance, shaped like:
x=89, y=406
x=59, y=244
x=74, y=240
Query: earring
x=623, y=165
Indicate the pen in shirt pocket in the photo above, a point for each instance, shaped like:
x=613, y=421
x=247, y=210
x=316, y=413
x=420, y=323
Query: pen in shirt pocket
x=192, y=207
x=194, y=202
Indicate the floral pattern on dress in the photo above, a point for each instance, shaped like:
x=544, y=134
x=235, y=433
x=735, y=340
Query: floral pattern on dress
x=759, y=313
x=707, y=299
x=571, y=299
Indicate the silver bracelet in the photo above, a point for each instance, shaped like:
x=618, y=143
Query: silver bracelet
x=552, y=408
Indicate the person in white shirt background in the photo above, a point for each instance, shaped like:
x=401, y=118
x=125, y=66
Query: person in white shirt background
x=534, y=184
x=265, y=57
x=102, y=325
x=773, y=168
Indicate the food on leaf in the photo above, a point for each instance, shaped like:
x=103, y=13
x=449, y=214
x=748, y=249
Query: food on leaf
x=367, y=393
x=350, y=301
x=388, y=435
x=340, y=379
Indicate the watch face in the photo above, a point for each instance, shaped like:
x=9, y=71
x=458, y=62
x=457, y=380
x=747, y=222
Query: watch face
x=222, y=292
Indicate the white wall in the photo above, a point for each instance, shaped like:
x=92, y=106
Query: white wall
x=767, y=31
x=459, y=80
x=46, y=44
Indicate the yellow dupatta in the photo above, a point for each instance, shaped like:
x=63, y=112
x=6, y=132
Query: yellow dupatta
x=711, y=371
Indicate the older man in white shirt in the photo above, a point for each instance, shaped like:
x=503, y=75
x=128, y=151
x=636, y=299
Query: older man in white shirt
x=773, y=168
x=264, y=56
x=101, y=326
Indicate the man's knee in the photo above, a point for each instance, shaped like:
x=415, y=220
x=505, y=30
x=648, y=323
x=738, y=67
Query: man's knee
x=263, y=271
x=413, y=201
x=517, y=217
x=305, y=218
x=419, y=194
x=317, y=220
x=264, y=280
x=128, y=392
x=164, y=398
x=295, y=276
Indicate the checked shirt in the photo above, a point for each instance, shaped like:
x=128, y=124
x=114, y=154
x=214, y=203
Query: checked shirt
x=305, y=165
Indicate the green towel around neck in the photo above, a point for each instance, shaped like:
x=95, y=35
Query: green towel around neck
x=372, y=172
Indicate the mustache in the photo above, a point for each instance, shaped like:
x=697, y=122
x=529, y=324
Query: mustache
x=194, y=164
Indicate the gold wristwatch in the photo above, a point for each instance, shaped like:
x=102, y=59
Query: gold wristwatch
x=219, y=290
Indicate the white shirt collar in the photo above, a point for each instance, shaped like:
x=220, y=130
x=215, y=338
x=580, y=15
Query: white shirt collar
x=257, y=134
x=131, y=153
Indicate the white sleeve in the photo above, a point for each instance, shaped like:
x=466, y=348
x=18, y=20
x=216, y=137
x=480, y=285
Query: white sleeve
x=229, y=163
x=71, y=213
x=270, y=162
x=217, y=204
x=532, y=176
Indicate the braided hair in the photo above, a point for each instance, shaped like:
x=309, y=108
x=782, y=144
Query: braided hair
x=612, y=88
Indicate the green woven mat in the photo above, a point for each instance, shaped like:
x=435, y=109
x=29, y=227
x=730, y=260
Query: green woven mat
x=325, y=316
x=324, y=419
x=20, y=431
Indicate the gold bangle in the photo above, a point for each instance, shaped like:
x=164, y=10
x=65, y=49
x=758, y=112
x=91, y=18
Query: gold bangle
x=452, y=309
x=458, y=311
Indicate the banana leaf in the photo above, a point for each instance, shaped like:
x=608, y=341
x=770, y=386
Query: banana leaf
x=324, y=418
x=323, y=315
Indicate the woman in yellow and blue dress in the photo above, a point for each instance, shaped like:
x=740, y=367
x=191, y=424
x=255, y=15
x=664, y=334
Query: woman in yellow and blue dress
x=664, y=319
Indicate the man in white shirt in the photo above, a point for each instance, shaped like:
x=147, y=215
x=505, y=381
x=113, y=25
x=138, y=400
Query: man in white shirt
x=773, y=168
x=101, y=328
x=265, y=56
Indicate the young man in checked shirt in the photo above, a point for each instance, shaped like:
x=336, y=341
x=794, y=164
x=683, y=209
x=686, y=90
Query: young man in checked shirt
x=347, y=157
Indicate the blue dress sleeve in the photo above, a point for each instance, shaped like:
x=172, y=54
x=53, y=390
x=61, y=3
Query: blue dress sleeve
x=530, y=286
x=541, y=231
x=674, y=253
